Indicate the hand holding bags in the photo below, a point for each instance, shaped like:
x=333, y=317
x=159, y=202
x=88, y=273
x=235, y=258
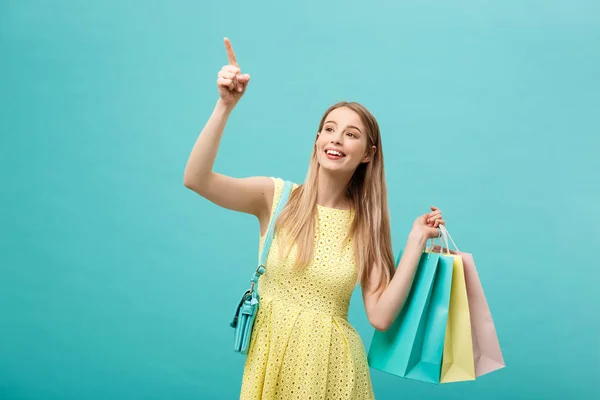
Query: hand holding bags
x=445, y=332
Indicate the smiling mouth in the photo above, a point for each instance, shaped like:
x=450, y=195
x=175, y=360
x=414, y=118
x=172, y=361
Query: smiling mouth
x=335, y=153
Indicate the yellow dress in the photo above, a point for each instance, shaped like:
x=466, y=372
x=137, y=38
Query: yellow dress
x=302, y=345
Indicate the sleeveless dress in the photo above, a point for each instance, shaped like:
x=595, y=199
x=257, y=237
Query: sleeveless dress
x=302, y=345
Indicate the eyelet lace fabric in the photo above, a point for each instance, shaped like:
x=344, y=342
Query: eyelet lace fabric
x=302, y=345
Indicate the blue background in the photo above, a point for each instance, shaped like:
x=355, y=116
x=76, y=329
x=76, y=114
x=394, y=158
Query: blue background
x=117, y=282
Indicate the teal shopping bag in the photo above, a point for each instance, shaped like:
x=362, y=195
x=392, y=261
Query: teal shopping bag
x=425, y=364
x=394, y=350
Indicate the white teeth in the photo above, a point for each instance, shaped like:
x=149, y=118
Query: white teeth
x=335, y=153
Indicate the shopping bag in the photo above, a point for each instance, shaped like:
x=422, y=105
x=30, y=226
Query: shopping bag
x=425, y=365
x=391, y=351
x=486, y=346
x=457, y=361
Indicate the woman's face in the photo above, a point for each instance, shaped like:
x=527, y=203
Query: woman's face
x=342, y=143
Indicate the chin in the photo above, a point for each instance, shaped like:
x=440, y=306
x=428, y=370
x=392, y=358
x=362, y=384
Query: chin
x=334, y=167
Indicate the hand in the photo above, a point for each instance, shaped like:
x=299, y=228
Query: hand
x=427, y=224
x=232, y=85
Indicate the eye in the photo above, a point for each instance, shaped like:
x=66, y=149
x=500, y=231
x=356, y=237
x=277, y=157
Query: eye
x=352, y=134
x=329, y=129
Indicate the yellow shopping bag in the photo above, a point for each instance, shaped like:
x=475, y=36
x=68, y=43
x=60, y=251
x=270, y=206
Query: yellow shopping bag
x=458, y=363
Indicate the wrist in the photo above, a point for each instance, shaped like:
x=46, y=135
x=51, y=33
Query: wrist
x=223, y=107
x=418, y=236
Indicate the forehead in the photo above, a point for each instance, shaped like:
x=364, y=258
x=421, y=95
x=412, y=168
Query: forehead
x=345, y=116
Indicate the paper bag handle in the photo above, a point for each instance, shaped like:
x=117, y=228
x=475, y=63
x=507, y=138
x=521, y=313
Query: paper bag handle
x=447, y=236
x=444, y=239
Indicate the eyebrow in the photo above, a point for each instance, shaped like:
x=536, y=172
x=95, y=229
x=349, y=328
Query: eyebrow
x=349, y=126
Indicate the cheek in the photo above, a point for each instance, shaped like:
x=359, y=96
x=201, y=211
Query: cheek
x=357, y=150
x=320, y=143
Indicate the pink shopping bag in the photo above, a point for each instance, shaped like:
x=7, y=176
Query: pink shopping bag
x=486, y=347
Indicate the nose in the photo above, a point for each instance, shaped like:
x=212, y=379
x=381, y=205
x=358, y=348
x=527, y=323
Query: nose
x=337, y=138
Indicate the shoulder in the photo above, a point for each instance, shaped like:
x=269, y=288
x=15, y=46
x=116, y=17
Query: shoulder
x=278, y=185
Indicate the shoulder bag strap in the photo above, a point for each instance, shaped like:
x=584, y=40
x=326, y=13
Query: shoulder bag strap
x=285, y=194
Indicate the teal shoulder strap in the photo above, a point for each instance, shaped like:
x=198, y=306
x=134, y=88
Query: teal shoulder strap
x=287, y=189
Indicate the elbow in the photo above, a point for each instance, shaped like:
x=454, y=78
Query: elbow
x=380, y=324
x=194, y=183
x=187, y=182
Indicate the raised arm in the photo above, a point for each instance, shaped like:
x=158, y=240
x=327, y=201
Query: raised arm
x=251, y=195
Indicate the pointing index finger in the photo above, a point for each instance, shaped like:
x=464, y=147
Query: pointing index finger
x=230, y=53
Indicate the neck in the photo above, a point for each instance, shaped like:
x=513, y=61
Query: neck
x=331, y=190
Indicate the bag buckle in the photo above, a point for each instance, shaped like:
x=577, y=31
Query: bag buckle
x=259, y=271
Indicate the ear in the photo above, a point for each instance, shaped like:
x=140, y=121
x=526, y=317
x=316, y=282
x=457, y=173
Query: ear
x=367, y=156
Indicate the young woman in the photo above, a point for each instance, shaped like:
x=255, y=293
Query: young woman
x=333, y=234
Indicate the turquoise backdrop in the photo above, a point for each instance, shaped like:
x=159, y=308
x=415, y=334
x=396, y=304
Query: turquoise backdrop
x=117, y=282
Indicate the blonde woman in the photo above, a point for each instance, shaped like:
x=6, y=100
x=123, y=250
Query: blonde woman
x=332, y=235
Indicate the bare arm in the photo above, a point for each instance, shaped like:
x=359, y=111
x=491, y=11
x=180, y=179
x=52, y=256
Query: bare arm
x=384, y=304
x=251, y=195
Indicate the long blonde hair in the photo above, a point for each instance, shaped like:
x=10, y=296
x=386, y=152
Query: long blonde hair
x=367, y=190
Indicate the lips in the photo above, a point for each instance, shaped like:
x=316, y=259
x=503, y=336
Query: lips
x=334, y=152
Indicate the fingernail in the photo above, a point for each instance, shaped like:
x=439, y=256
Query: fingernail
x=239, y=88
